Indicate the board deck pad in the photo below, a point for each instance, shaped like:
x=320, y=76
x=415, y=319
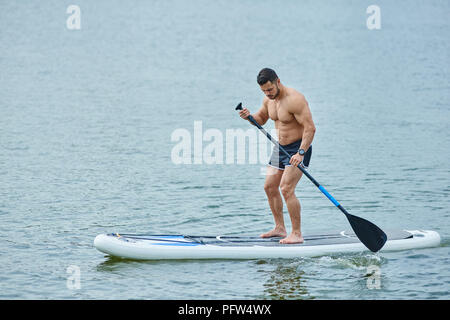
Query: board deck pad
x=226, y=241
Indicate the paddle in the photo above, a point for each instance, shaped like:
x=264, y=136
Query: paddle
x=368, y=233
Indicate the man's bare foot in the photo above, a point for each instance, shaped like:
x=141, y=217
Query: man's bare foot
x=276, y=232
x=292, y=238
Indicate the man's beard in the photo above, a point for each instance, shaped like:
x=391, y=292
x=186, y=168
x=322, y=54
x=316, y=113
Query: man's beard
x=276, y=94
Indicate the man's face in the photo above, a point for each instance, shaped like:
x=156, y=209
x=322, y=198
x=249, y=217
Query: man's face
x=270, y=89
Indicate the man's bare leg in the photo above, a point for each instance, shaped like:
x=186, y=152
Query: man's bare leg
x=291, y=177
x=271, y=187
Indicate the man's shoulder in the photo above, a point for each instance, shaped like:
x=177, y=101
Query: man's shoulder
x=296, y=100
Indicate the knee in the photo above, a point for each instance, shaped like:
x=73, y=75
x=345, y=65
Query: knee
x=287, y=190
x=270, y=189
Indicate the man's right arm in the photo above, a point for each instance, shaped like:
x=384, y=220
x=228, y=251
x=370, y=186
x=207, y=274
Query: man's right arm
x=261, y=116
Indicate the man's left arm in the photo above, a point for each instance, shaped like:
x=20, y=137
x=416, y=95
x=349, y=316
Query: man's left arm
x=303, y=116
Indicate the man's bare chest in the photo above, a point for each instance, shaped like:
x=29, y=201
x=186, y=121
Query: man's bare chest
x=277, y=112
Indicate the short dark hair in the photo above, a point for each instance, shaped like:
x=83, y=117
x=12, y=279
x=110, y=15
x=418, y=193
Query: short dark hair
x=265, y=75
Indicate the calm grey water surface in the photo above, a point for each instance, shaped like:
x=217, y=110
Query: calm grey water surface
x=86, y=119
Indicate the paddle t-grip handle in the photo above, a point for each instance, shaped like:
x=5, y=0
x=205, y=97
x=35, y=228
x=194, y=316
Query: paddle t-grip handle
x=252, y=120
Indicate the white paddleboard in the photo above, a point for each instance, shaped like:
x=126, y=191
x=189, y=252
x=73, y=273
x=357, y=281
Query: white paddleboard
x=162, y=247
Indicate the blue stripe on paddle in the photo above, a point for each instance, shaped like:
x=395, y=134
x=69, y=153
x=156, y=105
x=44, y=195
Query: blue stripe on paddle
x=329, y=196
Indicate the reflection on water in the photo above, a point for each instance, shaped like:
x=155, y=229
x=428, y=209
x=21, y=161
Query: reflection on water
x=347, y=276
x=309, y=278
x=112, y=264
x=286, y=282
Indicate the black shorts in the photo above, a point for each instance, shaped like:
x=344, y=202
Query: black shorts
x=279, y=160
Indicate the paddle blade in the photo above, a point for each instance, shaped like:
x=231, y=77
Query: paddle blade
x=369, y=234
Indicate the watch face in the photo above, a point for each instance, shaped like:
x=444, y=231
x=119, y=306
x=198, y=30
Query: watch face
x=301, y=152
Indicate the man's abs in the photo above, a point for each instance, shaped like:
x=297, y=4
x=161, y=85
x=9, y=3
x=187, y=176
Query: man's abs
x=288, y=132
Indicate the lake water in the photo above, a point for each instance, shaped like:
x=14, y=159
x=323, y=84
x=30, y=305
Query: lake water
x=89, y=117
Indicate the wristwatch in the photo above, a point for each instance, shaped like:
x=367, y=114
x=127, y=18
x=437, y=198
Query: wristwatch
x=301, y=152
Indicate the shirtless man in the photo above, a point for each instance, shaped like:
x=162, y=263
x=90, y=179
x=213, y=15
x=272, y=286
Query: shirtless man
x=293, y=121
